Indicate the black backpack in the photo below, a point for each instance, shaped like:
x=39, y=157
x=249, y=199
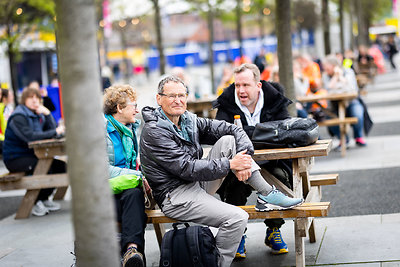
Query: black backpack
x=292, y=132
x=189, y=246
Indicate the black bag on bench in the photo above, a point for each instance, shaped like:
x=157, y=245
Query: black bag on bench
x=189, y=246
x=292, y=132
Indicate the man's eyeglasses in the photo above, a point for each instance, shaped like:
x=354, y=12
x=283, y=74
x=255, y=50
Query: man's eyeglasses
x=134, y=105
x=173, y=96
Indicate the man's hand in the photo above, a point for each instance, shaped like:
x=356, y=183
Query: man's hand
x=60, y=130
x=42, y=110
x=243, y=175
x=241, y=161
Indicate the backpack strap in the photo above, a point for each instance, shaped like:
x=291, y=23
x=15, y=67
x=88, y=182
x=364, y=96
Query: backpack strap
x=167, y=244
x=166, y=249
x=192, y=240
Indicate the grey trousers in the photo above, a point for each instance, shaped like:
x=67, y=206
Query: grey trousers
x=195, y=202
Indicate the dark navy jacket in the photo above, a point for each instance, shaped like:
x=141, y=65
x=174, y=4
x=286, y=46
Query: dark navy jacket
x=25, y=126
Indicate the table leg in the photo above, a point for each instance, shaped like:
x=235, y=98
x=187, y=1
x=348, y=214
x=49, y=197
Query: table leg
x=160, y=232
x=297, y=181
x=27, y=203
x=299, y=244
x=43, y=166
x=60, y=193
x=343, y=130
x=311, y=232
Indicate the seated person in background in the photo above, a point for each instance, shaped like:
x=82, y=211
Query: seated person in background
x=183, y=183
x=31, y=121
x=3, y=121
x=319, y=108
x=309, y=68
x=365, y=62
x=6, y=103
x=300, y=82
x=120, y=108
x=337, y=79
x=255, y=101
x=301, y=86
x=226, y=79
x=47, y=102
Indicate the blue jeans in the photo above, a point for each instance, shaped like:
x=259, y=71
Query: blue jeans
x=355, y=109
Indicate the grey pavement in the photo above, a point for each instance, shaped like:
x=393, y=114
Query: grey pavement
x=362, y=228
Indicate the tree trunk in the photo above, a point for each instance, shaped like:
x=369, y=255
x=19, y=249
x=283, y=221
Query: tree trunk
x=239, y=26
x=13, y=73
x=352, y=38
x=157, y=21
x=92, y=203
x=341, y=3
x=261, y=24
x=128, y=67
x=210, y=23
x=325, y=23
x=362, y=27
x=285, y=51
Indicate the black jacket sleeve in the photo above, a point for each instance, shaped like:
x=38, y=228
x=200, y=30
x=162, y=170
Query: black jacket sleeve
x=161, y=147
x=48, y=103
x=20, y=126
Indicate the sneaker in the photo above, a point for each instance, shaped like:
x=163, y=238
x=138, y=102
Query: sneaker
x=276, y=200
x=132, y=258
x=360, y=141
x=39, y=209
x=241, y=251
x=273, y=239
x=51, y=205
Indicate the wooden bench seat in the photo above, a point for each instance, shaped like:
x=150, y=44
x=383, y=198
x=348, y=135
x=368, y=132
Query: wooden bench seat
x=35, y=182
x=11, y=176
x=324, y=179
x=304, y=211
x=316, y=209
x=337, y=121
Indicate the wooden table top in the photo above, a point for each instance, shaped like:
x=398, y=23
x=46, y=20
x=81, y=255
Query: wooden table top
x=202, y=100
x=320, y=148
x=330, y=96
x=47, y=143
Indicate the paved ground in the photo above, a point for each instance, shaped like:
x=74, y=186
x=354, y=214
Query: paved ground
x=362, y=228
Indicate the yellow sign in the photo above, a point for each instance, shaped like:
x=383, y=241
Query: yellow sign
x=47, y=37
x=393, y=22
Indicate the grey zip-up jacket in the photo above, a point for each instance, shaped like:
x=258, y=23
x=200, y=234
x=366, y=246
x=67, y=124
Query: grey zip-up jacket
x=168, y=160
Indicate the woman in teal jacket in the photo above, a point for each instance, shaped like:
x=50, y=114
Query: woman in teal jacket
x=126, y=180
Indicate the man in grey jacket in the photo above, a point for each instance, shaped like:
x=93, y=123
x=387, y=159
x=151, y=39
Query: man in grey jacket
x=184, y=183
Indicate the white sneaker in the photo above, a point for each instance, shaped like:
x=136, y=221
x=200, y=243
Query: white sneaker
x=51, y=205
x=39, y=209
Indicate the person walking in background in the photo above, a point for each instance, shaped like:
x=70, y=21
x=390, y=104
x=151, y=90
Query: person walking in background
x=391, y=50
x=31, y=121
x=120, y=109
x=260, y=61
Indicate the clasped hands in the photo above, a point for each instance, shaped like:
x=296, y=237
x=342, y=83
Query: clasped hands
x=240, y=164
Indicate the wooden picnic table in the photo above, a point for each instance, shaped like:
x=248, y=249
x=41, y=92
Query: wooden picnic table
x=341, y=120
x=202, y=107
x=305, y=185
x=46, y=150
x=302, y=160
